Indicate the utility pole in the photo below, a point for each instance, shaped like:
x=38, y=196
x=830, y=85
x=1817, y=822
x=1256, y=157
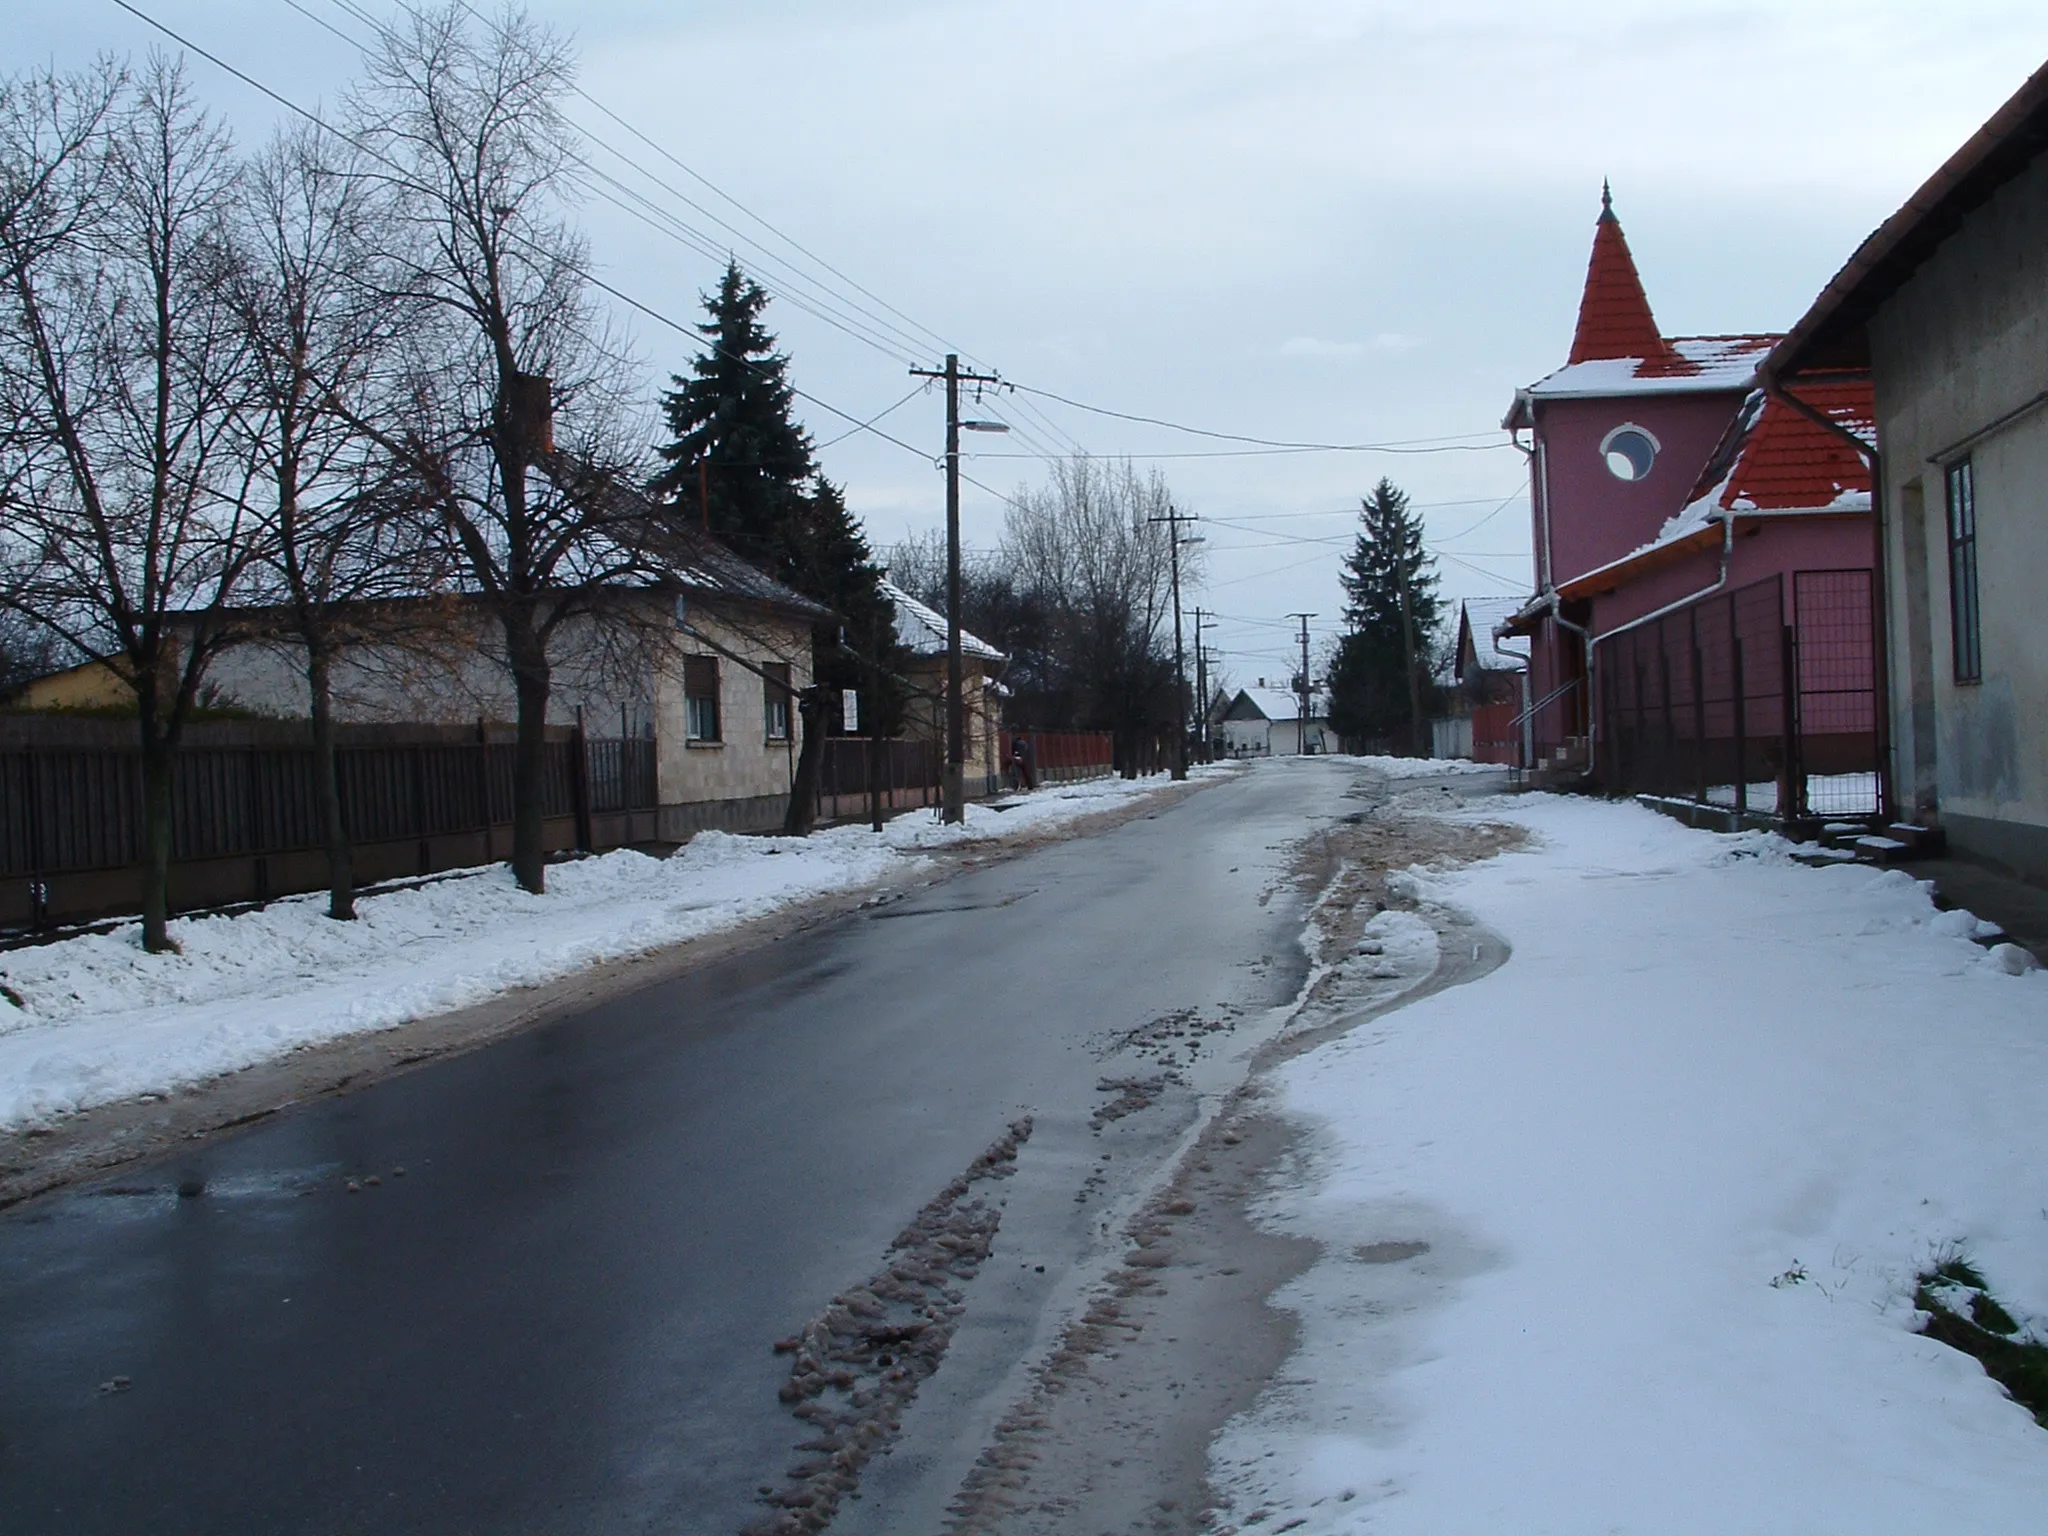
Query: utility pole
x=1173, y=519
x=1202, y=681
x=1301, y=724
x=953, y=786
x=1408, y=653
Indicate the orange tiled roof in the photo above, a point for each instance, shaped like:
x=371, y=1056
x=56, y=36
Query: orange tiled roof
x=1614, y=312
x=1776, y=459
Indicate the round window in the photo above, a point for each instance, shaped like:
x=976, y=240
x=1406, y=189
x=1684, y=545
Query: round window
x=1629, y=452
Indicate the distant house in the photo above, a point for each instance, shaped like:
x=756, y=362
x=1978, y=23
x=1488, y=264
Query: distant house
x=1487, y=686
x=922, y=631
x=1266, y=722
x=1701, y=621
x=1943, y=313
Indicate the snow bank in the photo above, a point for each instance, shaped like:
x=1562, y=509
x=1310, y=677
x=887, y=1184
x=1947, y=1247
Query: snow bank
x=1419, y=767
x=101, y=1020
x=1677, y=1163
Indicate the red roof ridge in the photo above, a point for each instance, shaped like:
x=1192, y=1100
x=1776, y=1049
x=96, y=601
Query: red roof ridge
x=1614, y=313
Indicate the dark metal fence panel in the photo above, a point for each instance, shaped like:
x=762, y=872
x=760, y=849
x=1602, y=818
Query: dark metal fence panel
x=1840, y=748
x=1734, y=701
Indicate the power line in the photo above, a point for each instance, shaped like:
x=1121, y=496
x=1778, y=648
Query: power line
x=584, y=272
x=1447, y=444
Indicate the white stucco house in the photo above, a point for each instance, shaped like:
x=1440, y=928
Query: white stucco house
x=1266, y=722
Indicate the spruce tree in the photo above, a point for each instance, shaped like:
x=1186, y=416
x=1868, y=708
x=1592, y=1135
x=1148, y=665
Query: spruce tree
x=740, y=466
x=738, y=462
x=1369, y=676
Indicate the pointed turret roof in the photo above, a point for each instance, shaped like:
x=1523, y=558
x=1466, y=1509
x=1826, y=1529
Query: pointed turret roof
x=1614, y=312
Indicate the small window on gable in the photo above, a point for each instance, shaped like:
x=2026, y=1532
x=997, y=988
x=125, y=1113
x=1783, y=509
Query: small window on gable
x=1629, y=452
x=700, y=698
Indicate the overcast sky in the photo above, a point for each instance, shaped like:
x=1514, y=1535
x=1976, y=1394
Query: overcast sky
x=1336, y=222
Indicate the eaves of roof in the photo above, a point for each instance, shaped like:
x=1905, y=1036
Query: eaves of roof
x=1831, y=332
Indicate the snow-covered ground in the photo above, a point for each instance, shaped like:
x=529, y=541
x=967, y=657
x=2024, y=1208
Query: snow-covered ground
x=1677, y=1163
x=1418, y=767
x=100, y=1020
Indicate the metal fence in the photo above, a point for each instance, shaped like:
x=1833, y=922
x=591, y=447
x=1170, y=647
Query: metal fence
x=245, y=814
x=1759, y=700
x=909, y=771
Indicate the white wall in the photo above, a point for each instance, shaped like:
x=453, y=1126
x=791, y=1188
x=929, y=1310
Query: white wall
x=1959, y=349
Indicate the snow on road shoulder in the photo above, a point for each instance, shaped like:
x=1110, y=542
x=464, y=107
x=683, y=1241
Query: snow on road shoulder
x=99, y=1020
x=1623, y=1235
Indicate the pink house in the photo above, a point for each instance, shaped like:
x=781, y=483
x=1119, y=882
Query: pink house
x=1703, y=618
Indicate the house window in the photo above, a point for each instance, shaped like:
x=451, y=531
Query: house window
x=700, y=698
x=775, y=699
x=1629, y=452
x=1967, y=647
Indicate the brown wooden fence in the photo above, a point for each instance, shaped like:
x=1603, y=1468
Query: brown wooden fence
x=245, y=823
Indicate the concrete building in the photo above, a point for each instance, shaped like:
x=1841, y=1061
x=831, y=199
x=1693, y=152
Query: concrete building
x=1945, y=310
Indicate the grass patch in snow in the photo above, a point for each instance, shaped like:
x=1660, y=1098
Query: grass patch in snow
x=1962, y=1314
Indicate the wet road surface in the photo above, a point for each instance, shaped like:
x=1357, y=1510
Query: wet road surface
x=557, y=1317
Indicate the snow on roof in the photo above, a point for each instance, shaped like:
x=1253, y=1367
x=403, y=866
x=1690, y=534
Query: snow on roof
x=923, y=629
x=1481, y=616
x=1279, y=705
x=1714, y=362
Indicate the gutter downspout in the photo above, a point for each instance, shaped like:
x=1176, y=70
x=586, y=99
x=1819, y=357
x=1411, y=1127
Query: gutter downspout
x=1594, y=642
x=1881, y=565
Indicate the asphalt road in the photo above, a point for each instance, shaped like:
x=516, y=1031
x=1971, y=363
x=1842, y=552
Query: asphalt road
x=558, y=1318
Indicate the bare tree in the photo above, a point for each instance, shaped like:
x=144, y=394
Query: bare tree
x=462, y=120
x=1088, y=546
x=122, y=366
x=340, y=515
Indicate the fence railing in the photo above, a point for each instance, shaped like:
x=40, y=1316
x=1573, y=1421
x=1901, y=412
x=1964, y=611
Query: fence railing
x=1736, y=701
x=246, y=822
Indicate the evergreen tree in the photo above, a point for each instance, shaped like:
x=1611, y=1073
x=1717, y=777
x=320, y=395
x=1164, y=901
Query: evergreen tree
x=1369, y=676
x=740, y=466
x=738, y=462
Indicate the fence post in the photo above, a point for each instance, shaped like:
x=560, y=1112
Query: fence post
x=1792, y=797
x=483, y=780
x=1668, y=778
x=579, y=783
x=1699, y=714
x=418, y=759
x=38, y=882
x=1741, y=716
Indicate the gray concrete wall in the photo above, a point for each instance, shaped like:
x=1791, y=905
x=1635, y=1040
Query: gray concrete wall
x=1957, y=352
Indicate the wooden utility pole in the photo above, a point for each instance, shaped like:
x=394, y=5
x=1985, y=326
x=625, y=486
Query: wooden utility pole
x=953, y=785
x=1173, y=519
x=1202, y=682
x=1301, y=723
x=1408, y=653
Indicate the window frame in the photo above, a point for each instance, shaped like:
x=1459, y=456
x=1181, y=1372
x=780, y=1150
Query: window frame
x=698, y=700
x=1965, y=601
x=777, y=694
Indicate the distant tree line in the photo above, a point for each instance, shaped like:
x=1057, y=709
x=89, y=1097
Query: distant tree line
x=1078, y=597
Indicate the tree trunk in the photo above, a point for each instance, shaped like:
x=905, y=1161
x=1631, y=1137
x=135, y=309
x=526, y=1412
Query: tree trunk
x=156, y=838
x=528, y=655
x=341, y=874
x=803, y=794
